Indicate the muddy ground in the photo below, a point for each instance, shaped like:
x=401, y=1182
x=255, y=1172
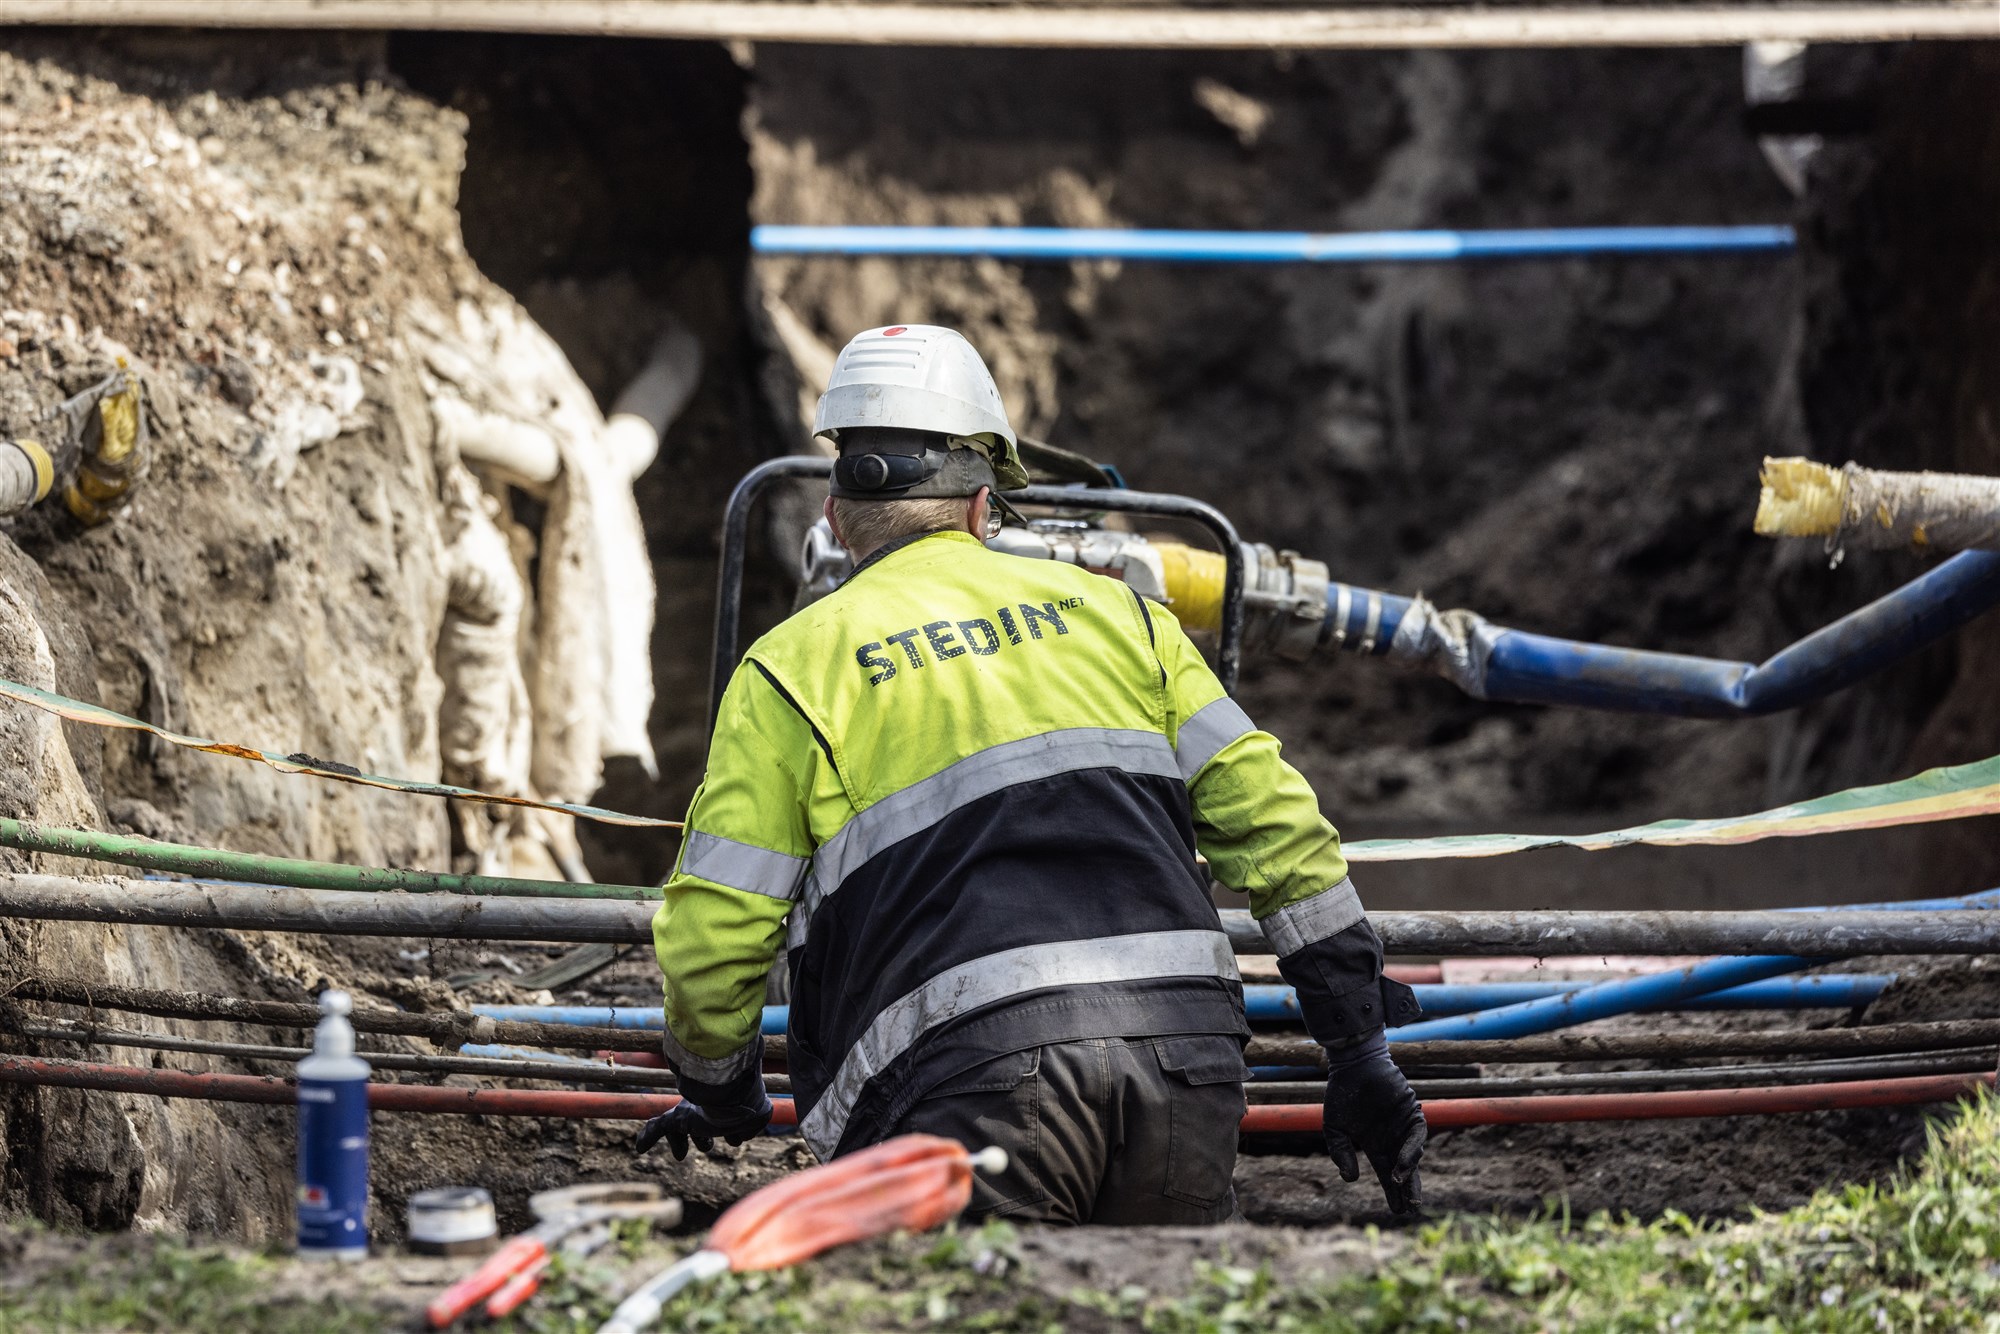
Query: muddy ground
x=1714, y=1169
x=232, y=213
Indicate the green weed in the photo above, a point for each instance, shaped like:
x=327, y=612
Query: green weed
x=165, y=1286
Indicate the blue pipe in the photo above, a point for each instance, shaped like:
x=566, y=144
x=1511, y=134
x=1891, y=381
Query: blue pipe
x=1523, y=668
x=611, y=1016
x=1267, y=1003
x=1604, y=999
x=1573, y=1006
x=1065, y=243
x=1655, y=990
x=1838, y=991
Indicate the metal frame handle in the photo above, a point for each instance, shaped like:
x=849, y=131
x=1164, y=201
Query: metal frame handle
x=736, y=540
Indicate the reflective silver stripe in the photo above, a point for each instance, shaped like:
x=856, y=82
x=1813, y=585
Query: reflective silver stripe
x=1343, y=604
x=1326, y=913
x=994, y=978
x=922, y=804
x=1203, y=736
x=800, y=921
x=754, y=870
x=709, y=1070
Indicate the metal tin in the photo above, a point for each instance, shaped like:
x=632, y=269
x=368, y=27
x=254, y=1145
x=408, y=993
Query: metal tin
x=452, y=1220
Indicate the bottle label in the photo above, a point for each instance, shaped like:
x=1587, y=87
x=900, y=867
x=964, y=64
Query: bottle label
x=333, y=1165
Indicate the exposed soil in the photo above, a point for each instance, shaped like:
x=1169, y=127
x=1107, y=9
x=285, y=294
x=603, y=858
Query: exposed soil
x=1567, y=446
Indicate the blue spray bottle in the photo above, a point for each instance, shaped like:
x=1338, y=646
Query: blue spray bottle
x=333, y=1139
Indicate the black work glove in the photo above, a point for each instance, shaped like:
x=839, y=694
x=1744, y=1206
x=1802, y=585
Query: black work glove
x=1369, y=1106
x=688, y=1123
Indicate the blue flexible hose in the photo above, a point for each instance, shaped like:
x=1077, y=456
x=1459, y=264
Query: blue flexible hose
x=1523, y=668
x=1067, y=243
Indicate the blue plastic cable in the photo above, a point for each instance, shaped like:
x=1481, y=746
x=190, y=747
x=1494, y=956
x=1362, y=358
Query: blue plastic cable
x=1066, y=243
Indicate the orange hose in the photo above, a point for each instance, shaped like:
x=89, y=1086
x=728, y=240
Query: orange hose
x=518, y=1253
x=910, y=1183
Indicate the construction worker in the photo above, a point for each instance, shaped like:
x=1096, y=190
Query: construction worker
x=969, y=789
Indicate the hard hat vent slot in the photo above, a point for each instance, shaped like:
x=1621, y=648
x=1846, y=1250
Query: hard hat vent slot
x=886, y=359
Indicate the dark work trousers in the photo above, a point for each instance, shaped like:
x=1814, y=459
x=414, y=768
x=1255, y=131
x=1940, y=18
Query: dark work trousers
x=1118, y=1131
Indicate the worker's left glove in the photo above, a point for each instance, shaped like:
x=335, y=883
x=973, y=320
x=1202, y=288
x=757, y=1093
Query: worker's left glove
x=1370, y=1107
x=689, y=1123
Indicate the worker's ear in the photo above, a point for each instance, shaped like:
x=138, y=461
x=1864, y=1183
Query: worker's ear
x=976, y=513
x=827, y=509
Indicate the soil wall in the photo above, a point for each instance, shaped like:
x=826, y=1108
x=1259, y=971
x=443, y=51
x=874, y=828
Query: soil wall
x=1567, y=446
x=242, y=223
x=1898, y=367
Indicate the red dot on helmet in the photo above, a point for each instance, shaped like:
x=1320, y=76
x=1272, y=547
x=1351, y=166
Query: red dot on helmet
x=891, y=333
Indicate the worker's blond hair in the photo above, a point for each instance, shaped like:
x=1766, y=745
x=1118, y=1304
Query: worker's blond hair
x=867, y=524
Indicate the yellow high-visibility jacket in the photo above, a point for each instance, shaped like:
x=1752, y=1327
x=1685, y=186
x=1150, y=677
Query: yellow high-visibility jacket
x=968, y=789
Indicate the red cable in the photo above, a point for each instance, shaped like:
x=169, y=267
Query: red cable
x=1454, y=1113
x=575, y=1104
x=571, y=1104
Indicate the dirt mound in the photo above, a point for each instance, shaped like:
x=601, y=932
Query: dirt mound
x=1937, y=989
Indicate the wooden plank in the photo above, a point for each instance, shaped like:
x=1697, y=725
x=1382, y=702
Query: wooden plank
x=1106, y=27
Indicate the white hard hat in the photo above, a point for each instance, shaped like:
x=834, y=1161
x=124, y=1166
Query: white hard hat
x=920, y=377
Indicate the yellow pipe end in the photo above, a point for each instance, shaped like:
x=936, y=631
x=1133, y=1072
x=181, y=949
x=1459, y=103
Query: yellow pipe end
x=1194, y=580
x=119, y=413
x=1800, y=498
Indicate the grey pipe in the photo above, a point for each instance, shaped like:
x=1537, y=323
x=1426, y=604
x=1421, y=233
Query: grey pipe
x=474, y=917
x=324, y=912
x=1835, y=933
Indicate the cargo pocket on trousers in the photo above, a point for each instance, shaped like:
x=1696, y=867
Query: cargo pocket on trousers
x=1205, y=1109
x=997, y=1102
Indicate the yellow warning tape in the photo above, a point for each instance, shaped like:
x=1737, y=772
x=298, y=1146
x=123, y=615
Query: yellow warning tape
x=1955, y=793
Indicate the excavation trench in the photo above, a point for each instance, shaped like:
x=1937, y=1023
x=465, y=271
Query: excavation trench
x=1450, y=430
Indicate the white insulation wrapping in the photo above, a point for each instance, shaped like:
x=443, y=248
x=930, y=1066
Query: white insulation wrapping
x=506, y=400
x=483, y=722
x=518, y=448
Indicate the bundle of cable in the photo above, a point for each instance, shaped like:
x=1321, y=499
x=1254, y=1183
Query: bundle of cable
x=908, y=1184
